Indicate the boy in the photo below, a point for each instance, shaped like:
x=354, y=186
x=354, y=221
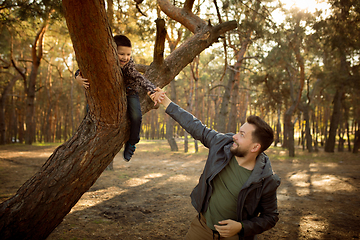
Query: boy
x=133, y=80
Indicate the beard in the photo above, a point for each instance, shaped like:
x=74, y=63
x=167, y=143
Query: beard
x=238, y=152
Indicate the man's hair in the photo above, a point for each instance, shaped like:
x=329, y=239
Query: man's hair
x=122, y=40
x=263, y=133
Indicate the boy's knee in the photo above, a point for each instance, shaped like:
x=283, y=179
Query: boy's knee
x=136, y=118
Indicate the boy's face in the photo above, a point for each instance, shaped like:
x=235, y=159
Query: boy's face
x=124, y=54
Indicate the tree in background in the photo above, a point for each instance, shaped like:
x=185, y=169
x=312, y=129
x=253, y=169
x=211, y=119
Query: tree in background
x=340, y=47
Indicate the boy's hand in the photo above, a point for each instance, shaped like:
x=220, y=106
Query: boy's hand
x=82, y=81
x=158, y=96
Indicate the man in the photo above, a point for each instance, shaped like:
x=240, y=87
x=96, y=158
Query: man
x=236, y=194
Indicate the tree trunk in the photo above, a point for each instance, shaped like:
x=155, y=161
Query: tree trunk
x=170, y=122
x=186, y=142
x=308, y=136
x=173, y=42
x=21, y=121
x=45, y=199
x=289, y=133
x=224, y=107
x=232, y=119
x=348, y=136
x=3, y=99
x=13, y=124
x=356, y=142
x=278, y=128
x=315, y=131
x=334, y=123
x=36, y=52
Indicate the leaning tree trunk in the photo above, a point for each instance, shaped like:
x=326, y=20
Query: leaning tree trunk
x=45, y=199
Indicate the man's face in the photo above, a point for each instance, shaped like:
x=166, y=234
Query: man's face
x=124, y=54
x=243, y=141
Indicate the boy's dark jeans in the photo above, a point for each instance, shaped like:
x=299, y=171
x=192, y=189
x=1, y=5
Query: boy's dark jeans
x=135, y=115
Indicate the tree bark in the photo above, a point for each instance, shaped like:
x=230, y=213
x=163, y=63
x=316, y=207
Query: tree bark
x=334, y=122
x=278, y=128
x=289, y=131
x=308, y=135
x=224, y=107
x=36, y=53
x=3, y=99
x=45, y=199
x=170, y=122
x=356, y=142
x=173, y=42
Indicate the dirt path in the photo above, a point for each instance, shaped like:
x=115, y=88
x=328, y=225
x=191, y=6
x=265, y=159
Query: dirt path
x=148, y=198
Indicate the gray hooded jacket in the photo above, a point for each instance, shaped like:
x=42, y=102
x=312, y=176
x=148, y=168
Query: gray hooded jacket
x=257, y=202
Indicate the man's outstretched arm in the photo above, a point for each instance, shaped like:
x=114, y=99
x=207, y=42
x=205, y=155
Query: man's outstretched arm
x=190, y=123
x=166, y=101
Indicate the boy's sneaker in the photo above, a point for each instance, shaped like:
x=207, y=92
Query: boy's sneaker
x=129, y=151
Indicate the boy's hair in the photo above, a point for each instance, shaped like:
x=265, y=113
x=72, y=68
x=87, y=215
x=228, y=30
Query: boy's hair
x=122, y=40
x=263, y=133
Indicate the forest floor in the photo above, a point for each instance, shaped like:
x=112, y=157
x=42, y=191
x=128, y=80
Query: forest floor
x=148, y=197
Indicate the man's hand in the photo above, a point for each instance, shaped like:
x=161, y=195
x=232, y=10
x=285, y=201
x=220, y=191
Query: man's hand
x=228, y=228
x=82, y=81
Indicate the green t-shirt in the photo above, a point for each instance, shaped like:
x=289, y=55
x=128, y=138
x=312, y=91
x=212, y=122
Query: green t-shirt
x=226, y=187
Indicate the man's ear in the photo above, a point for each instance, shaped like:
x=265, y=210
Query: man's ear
x=256, y=147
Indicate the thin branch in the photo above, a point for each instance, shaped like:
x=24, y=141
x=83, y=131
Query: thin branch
x=20, y=71
x=159, y=41
x=140, y=11
x=188, y=5
x=182, y=15
x=217, y=11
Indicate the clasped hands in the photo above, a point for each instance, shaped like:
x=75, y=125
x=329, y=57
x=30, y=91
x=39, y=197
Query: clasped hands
x=158, y=96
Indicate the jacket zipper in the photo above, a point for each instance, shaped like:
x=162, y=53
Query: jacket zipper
x=248, y=189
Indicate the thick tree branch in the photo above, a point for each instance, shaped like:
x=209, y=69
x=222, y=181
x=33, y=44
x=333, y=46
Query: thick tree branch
x=182, y=15
x=184, y=54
